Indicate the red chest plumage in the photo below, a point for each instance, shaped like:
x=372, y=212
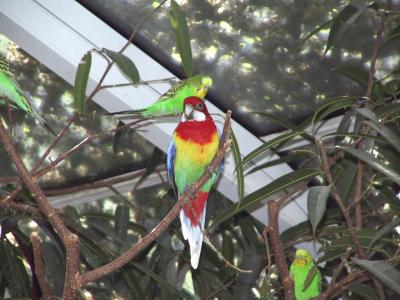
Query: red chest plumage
x=199, y=132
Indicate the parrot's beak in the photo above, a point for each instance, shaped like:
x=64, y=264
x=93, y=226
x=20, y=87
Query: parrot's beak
x=188, y=112
x=300, y=260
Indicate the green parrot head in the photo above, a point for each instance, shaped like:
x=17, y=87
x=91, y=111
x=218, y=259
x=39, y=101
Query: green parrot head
x=302, y=258
x=202, y=84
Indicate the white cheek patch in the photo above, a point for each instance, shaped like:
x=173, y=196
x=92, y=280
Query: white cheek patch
x=199, y=116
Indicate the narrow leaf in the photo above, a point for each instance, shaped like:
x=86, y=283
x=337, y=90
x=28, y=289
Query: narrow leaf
x=81, y=81
x=387, y=274
x=310, y=276
x=155, y=159
x=121, y=221
x=283, y=159
x=279, y=184
x=342, y=23
x=368, y=113
x=118, y=137
x=125, y=64
x=157, y=278
x=316, y=203
x=239, y=167
x=355, y=73
x=387, y=133
x=179, y=24
x=385, y=230
x=344, y=125
x=366, y=291
x=326, y=25
x=268, y=145
x=393, y=34
x=374, y=163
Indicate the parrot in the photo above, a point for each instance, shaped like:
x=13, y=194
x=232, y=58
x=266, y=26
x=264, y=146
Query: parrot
x=12, y=92
x=301, y=268
x=194, y=144
x=171, y=102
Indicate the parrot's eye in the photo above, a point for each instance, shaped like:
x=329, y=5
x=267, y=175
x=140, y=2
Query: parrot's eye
x=198, y=89
x=200, y=106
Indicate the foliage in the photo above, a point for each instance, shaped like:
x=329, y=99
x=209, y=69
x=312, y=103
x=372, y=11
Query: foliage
x=351, y=175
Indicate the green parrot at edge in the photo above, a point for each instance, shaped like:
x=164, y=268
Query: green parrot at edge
x=302, y=264
x=12, y=92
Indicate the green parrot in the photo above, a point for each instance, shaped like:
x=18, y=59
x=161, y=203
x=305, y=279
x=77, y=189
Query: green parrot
x=172, y=101
x=301, y=269
x=12, y=92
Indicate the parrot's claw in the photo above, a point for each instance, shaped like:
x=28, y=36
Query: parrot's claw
x=209, y=172
x=189, y=193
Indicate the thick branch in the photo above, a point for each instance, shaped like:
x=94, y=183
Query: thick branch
x=168, y=219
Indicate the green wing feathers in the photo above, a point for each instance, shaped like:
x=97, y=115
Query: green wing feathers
x=171, y=102
x=12, y=92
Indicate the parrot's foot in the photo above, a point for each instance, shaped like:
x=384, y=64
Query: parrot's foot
x=189, y=193
x=209, y=172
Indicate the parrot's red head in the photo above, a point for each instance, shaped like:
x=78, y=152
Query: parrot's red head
x=194, y=109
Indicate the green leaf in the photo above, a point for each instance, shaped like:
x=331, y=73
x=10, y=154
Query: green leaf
x=342, y=23
x=179, y=24
x=276, y=119
x=283, y=159
x=387, y=133
x=374, y=163
x=239, y=167
x=366, y=291
x=157, y=278
x=310, y=276
x=393, y=34
x=121, y=221
x=269, y=145
x=118, y=137
x=326, y=25
x=279, y=184
x=125, y=65
x=368, y=113
x=155, y=159
x=332, y=105
x=344, y=125
x=385, y=230
x=355, y=73
x=386, y=273
x=16, y=274
x=81, y=81
x=316, y=204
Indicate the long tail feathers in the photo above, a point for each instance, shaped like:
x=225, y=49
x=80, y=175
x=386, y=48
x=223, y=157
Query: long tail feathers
x=194, y=235
x=126, y=112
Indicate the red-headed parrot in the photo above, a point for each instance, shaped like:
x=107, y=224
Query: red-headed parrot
x=195, y=142
x=12, y=92
x=171, y=102
x=304, y=271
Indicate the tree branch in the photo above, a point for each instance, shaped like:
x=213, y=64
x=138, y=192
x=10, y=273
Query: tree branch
x=70, y=241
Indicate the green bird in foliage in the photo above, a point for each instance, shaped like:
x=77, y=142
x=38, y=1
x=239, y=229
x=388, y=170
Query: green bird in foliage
x=306, y=276
x=11, y=91
x=172, y=101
